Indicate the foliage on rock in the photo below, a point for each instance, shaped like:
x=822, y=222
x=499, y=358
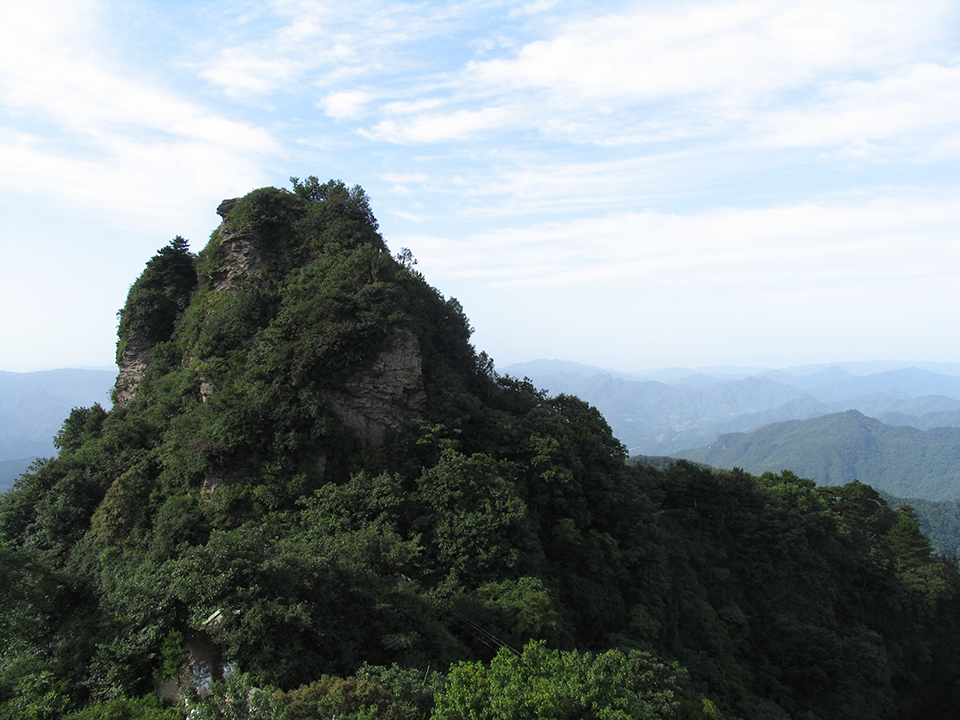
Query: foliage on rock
x=347, y=571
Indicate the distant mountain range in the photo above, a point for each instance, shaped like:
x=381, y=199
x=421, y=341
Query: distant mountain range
x=668, y=411
x=34, y=405
x=659, y=413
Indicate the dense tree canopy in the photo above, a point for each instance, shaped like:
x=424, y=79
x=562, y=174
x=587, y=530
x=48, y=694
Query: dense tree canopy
x=159, y=295
x=493, y=557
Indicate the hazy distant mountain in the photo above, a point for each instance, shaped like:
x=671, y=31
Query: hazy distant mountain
x=927, y=421
x=836, y=449
x=563, y=368
x=906, y=383
x=872, y=367
x=654, y=418
x=826, y=377
x=664, y=412
x=10, y=470
x=660, y=412
x=799, y=408
x=34, y=405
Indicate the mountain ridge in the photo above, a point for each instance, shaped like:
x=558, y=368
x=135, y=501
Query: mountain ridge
x=692, y=409
x=843, y=447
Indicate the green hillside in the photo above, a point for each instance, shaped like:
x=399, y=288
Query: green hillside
x=939, y=520
x=840, y=448
x=314, y=498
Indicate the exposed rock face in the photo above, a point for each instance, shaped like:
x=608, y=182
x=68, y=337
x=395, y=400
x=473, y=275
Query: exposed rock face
x=241, y=252
x=226, y=206
x=214, y=479
x=133, y=363
x=207, y=389
x=387, y=396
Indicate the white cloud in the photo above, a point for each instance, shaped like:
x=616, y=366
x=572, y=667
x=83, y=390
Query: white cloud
x=904, y=107
x=346, y=104
x=402, y=187
x=239, y=73
x=294, y=45
x=135, y=185
x=533, y=8
x=412, y=217
x=524, y=186
x=457, y=125
x=807, y=245
x=45, y=75
x=808, y=282
x=111, y=139
x=731, y=52
x=666, y=73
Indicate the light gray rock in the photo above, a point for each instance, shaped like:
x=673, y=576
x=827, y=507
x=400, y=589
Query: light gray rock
x=133, y=363
x=387, y=396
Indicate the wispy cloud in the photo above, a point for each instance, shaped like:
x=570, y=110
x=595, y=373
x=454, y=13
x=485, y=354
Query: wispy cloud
x=457, y=125
x=902, y=109
x=104, y=136
x=729, y=158
x=806, y=245
x=346, y=104
x=869, y=277
x=660, y=73
x=239, y=73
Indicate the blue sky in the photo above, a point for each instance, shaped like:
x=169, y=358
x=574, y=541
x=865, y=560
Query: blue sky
x=634, y=185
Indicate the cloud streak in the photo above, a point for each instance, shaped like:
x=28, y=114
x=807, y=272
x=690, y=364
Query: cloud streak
x=768, y=74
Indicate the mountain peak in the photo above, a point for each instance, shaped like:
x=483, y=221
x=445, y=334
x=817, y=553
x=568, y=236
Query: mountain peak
x=297, y=324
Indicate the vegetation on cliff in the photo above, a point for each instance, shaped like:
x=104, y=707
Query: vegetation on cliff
x=457, y=545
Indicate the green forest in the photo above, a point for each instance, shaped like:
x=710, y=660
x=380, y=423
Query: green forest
x=313, y=498
x=834, y=449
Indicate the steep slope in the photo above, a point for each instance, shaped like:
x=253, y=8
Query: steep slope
x=309, y=472
x=295, y=387
x=839, y=448
x=298, y=341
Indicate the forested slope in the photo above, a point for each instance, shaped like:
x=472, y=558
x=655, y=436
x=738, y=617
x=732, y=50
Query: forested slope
x=310, y=476
x=839, y=448
x=939, y=521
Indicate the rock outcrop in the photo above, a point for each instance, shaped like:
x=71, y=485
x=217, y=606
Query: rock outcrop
x=387, y=396
x=240, y=245
x=133, y=362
